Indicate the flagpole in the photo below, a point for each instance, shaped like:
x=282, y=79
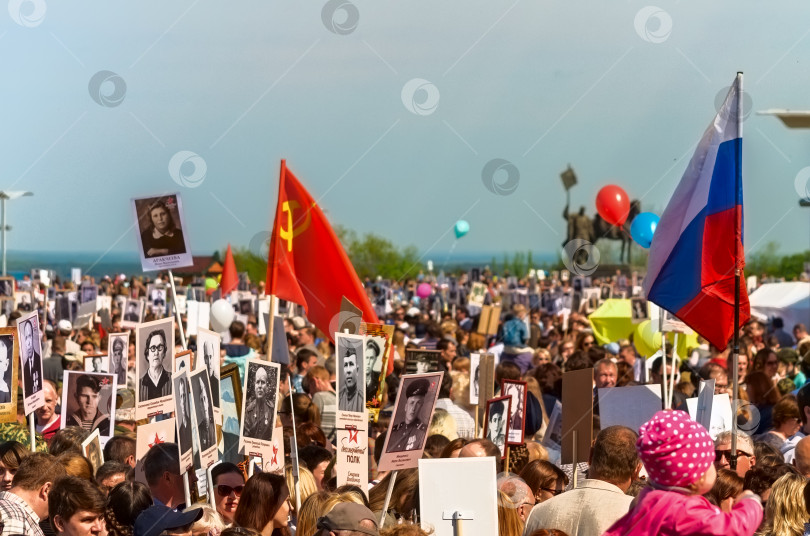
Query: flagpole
x=735, y=380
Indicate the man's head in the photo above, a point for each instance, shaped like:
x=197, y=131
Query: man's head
x=350, y=369
x=481, y=448
x=745, y=452
x=448, y=350
x=348, y=519
x=372, y=354
x=802, y=456
x=182, y=397
x=118, y=349
x=162, y=470
x=519, y=493
x=304, y=360
x=155, y=349
x=45, y=412
x=120, y=449
x=228, y=485
x=111, y=473
x=28, y=339
x=34, y=480
x=317, y=380
x=208, y=356
x=76, y=507
x=614, y=457
x=415, y=394
x=87, y=396
x=605, y=373
x=260, y=383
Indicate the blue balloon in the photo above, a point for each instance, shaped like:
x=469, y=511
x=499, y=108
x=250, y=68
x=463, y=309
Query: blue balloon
x=462, y=228
x=643, y=228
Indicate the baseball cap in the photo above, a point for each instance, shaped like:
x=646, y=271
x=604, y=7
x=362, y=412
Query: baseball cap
x=157, y=518
x=298, y=322
x=64, y=325
x=348, y=516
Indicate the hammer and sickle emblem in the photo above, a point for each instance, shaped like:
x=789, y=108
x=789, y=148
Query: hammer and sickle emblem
x=291, y=232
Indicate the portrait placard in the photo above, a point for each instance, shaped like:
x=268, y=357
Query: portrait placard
x=154, y=352
x=9, y=372
x=133, y=313
x=497, y=420
x=91, y=448
x=88, y=294
x=259, y=406
x=183, y=361
x=96, y=362
x=31, y=361
x=475, y=377
x=149, y=435
x=377, y=332
x=477, y=295
x=273, y=459
x=183, y=420
x=638, y=310
x=203, y=416
x=7, y=284
x=351, y=384
x=421, y=361
x=118, y=350
x=88, y=401
x=207, y=357
x=162, y=237
x=413, y=411
x=230, y=388
x=553, y=436
x=352, y=458
x=517, y=410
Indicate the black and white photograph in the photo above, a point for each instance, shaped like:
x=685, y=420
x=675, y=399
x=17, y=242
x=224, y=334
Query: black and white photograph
x=24, y=301
x=6, y=287
x=496, y=420
x=351, y=384
x=203, y=412
x=154, y=352
x=88, y=401
x=133, y=310
x=31, y=361
x=118, y=350
x=157, y=297
x=259, y=401
x=605, y=292
x=475, y=366
x=182, y=415
x=246, y=306
x=98, y=363
x=91, y=448
x=517, y=410
x=207, y=357
x=420, y=361
x=89, y=293
x=414, y=409
x=8, y=373
x=7, y=306
x=161, y=237
x=638, y=310
x=183, y=361
x=374, y=348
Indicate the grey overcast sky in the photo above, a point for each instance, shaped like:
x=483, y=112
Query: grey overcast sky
x=388, y=112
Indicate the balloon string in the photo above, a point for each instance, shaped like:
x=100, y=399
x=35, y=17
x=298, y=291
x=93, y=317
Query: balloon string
x=449, y=253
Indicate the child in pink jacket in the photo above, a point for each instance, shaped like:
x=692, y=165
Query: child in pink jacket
x=678, y=455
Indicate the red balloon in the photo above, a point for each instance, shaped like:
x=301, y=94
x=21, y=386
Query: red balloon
x=613, y=205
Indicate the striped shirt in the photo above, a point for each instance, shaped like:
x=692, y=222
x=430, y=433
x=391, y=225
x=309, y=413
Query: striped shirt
x=17, y=516
x=149, y=391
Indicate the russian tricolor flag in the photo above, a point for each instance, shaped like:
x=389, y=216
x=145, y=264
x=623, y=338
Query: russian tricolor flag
x=698, y=242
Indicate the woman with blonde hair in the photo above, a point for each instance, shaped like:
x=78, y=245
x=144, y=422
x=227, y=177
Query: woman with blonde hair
x=318, y=505
x=509, y=522
x=306, y=486
x=785, y=511
x=210, y=524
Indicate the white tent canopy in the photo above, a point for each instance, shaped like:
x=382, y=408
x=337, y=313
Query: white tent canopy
x=789, y=301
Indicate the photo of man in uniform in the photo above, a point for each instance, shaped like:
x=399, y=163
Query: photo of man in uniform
x=409, y=434
x=133, y=312
x=351, y=390
x=259, y=411
x=118, y=360
x=87, y=414
x=373, y=368
x=32, y=361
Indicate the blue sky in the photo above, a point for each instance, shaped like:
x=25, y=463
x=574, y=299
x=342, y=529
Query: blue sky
x=621, y=92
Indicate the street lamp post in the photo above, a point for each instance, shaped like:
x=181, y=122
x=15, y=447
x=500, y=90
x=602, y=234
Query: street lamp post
x=4, y=195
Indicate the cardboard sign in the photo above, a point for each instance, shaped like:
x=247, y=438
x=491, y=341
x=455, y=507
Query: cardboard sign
x=273, y=461
x=162, y=235
x=413, y=411
x=351, y=381
x=154, y=358
x=703, y=415
x=720, y=415
x=478, y=294
x=149, y=435
x=259, y=408
x=486, y=377
x=459, y=487
x=569, y=178
x=629, y=406
x=352, y=458
x=577, y=399
x=489, y=319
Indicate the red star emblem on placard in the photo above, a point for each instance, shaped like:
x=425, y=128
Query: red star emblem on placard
x=105, y=381
x=156, y=441
x=353, y=435
x=275, y=455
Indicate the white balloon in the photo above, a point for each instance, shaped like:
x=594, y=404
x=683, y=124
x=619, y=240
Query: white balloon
x=222, y=314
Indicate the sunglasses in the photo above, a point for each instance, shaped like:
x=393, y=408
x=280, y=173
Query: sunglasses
x=225, y=491
x=720, y=454
x=554, y=492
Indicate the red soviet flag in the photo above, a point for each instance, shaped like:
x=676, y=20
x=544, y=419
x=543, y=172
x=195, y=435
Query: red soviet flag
x=230, y=279
x=307, y=264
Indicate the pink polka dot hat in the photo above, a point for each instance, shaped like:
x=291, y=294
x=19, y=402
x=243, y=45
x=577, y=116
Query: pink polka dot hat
x=676, y=450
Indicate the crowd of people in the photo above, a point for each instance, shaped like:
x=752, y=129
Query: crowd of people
x=668, y=477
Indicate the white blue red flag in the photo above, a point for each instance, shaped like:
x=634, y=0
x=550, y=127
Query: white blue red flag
x=698, y=242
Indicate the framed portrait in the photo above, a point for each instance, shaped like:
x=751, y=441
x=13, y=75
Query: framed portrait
x=154, y=356
x=207, y=357
x=98, y=363
x=230, y=388
x=7, y=306
x=420, y=361
x=605, y=292
x=91, y=448
x=31, y=361
x=351, y=384
x=9, y=372
x=373, y=358
x=132, y=313
x=413, y=410
x=88, y=293
x=517, y=410
x=24, y=301
x=162, y=236
x=259, y=406
x=638, y=310
x=183, y=418
x=475, y=376
x=495, y=423
x=203, y=416
x=157, y=298
x=7, y=287
x=375, y=380
x=183, y=361
x=246, y=306
x=88, y=400
x=118, y=352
